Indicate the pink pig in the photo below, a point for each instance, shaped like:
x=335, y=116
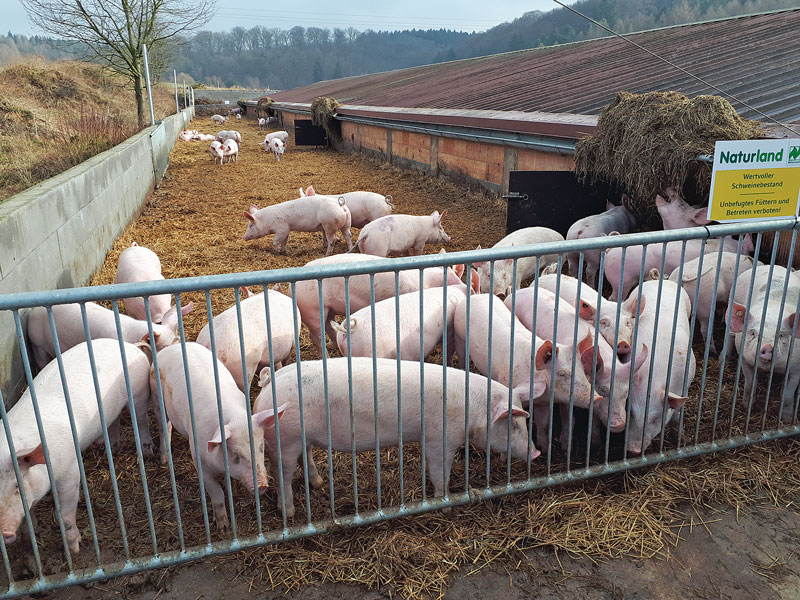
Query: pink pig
x=364, y=206
x=304, y=214
x=402, y=234
x=138, y=263
x=677, y=214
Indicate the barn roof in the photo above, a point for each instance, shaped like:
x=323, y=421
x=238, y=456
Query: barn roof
x=755, y=58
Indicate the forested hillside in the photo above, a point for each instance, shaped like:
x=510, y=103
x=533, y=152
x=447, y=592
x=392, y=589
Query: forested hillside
x=262, y=57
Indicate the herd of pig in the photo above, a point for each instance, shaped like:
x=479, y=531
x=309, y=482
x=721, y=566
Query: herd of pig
x=570, y=347
x=225, y=145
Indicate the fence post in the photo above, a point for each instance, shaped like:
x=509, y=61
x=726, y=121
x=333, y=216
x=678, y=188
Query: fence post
x=175, y=77
x=149, y=89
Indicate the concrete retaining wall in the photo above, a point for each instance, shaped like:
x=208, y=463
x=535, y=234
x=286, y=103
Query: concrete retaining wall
x=56, y=234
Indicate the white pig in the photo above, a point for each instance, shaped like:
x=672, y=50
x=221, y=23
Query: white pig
x=504, y=269
x=216, y=152
x=615, y=219
x=677, y=214
x=364, y=206
x=338, y=386
x=653, y=405
x=230, y=150
x=206, y=421
x=69, y=328
x=138, y=263
x=360, y=325
x=275, y=135
x=333, y=291
x=262, y=122
x=218, y=119
x=725, y=275
x=203, y=137
x=254, y=331
x=402, y=234
x=304, y=214
x=229, y=135
x=57, y=431
x=277, y=147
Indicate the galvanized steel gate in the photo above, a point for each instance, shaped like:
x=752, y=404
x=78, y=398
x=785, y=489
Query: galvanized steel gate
x=138, y=544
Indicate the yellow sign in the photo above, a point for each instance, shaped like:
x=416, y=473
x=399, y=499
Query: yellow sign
x=753, y=180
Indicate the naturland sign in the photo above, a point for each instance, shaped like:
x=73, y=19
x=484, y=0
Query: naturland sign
x=754, y=180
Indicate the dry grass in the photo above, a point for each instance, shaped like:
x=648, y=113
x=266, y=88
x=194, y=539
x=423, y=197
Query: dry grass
x=55, y=115
x=639, y=513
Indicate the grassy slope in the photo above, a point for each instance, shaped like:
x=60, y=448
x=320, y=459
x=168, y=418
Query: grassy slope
x=56, y=114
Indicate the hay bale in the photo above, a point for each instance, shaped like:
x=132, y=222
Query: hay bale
x=648, y=142
x=265, y=106
x=322, y=110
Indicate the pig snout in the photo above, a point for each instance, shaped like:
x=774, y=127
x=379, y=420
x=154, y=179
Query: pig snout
x=766, y=353
x=623, y=348
x=262, y=485
x=535, y=453
x=9, y=538
x=617, y=424
x=635, y=448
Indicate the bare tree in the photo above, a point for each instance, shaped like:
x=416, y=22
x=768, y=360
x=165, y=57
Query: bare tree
x=115, y=31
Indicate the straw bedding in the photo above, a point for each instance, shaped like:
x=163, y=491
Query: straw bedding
x=194, y=222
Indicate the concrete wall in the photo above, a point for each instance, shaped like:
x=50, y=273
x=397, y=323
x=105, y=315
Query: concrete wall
x=476, y=163
x=56, y=234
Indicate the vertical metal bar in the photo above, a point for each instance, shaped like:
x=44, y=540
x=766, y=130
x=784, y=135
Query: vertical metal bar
x=298, y=362
x=709, y=334
x=247, y=379
x=566, y=428
x=465, y=358
x=421, y=328
x=399, y=387
x=137, y=440
x=177, y=106
x=147, y=81
x=220, y=417
x=554, y=350
x=489, y=381
x=511, y=375
x=106, y=441
x=322, y=315
x=445, y=465
x=375, y=396
x=553, y=373
x=350, y=393
x=189, y=398
x=635, y=341
x=600, y=274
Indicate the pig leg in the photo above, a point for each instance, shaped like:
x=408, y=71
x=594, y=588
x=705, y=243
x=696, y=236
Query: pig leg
x=787, y=395
x=541, y=415
x=566, y=425
x=591, y=273
x=217, y=495
x=347, y=236
x=749, y=374
x=314, y=477
x=329, y=236
x=438, y=472
x=279, y=242
x=141, y=404
x=113, y=435
x=290, y=454
x=451, y=345
x=68, y=487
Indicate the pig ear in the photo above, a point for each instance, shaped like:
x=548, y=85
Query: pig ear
x=499, y=411
x=788, y=322
x=245, y=291
x=444, y=214
x=586, y=350
x=459, y=270
x=310, y=191
x=585, y=310
x=134, y=244
x=187, y=308
x=475, y=282
x=214, y=442
x=29, y=458
x=266, y=418
x=264, y=377
x=145, y=339
x=700, y=216
x=544, y=355
x=675, y=401
x=737, y=317
x=609, y=205
x=435, y=216
x=249, y=216
x=630, y=305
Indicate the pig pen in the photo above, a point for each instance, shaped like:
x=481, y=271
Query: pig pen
x=194, y=223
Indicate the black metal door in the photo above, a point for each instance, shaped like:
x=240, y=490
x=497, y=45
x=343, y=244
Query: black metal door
x=308, y=134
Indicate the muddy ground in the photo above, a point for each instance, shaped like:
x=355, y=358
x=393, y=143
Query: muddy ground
x=582, y=540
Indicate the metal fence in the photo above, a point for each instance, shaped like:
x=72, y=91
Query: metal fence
x=385, y=427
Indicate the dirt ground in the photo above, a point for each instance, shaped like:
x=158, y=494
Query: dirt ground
x=710, y=527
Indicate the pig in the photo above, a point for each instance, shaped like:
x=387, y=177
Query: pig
x=364, y=207
x=262, y=123
x=218, y=119
x=501, y=369
x=618, y=219
x=138, y=263
x=58, y=434
x=229, y=135
x=217, y=152
x=654, y=404
x=254, y=331
x=69, y=327
x=677, y=214
x=230, y=150
x=402, y=234
x=360, y=325
x=339, y=384
x=761, y=320
x=653, y=256
x=277, y=147
x=304, y=214
x=333, y=291
x=609, y=326
x=275, y=135
x=206, y=421
x=203, y=137
x=504, y=269
x=238, y=117
x=706, y=303
x=188, y=135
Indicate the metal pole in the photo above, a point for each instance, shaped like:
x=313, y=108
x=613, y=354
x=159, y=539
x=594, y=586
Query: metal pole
x=175, y=78
x=149, y=90
x=184, y=93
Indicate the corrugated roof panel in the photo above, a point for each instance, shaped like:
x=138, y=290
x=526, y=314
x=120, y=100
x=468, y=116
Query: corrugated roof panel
x=755, y=58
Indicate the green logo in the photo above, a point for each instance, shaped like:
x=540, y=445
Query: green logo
x=794, y=154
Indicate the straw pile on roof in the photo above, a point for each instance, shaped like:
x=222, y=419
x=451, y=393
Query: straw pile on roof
x=648, y=142
x=322, y=111
x=265, y=106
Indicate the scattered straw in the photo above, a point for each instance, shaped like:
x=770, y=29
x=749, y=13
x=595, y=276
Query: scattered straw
x=648, y=142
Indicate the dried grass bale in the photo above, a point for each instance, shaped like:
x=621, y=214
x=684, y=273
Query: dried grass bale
x=322, y=110
x=265, y=106
x=648, y=142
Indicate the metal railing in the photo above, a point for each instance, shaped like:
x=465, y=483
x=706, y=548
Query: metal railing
x=387, y=426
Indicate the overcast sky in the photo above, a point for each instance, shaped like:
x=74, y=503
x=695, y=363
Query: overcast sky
x=463, y=15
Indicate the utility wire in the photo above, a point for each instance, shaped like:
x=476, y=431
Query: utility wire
x=681, y=69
